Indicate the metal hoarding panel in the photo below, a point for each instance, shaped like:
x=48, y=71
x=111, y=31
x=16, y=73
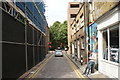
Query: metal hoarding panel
x=13, y=60
x=35, y=37
x=36, y=55
x=30, y=57
x=29, y=35
x=12, y=30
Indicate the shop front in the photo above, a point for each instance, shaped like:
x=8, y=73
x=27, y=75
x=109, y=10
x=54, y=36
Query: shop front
x=108, y=44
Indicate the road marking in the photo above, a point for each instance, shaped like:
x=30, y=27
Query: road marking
x=41, y=66
x=74, y=68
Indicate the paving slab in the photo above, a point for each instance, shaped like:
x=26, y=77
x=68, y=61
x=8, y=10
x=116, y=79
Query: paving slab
x=96, y=74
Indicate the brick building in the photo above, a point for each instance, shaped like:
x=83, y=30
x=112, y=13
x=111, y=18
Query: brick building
x=73, y=8
x=88, y=31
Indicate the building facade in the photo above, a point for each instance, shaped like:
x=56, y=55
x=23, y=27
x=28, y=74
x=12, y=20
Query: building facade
x=108, y=42
x=78, y=36
x=73, y=8
x=94, y=32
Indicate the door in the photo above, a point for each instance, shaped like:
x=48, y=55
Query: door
x=78, y=49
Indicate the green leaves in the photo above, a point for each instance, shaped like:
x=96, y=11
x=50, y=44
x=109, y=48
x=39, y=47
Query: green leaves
x=58, y=34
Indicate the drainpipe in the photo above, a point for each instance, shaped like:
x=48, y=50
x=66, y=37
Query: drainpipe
x=86, y=11
x=75, y=42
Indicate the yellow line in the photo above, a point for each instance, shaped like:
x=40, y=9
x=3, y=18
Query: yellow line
x=71, y=64
x=74, y=68
x=77, y=70
x=36, y=72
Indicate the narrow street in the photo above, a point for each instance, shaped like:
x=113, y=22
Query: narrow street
x=58, y=67
x=85, y=33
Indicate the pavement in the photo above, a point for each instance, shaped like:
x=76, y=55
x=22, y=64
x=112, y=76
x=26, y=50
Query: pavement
x=96, y=74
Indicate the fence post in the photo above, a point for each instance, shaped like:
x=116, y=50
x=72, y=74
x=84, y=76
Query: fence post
x=26, y=40
x=0, y=41
x=33, y=48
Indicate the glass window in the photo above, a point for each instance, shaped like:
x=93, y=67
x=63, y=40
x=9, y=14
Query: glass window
x=114, y=43
x=73, y=15
x=105, y=45
x=74, y=6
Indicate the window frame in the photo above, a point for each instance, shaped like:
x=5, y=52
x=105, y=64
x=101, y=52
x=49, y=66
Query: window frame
x=108, y=40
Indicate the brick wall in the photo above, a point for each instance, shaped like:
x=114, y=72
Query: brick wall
x=103, y=7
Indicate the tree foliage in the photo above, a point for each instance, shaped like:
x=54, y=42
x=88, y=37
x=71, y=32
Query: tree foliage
x=58, y=34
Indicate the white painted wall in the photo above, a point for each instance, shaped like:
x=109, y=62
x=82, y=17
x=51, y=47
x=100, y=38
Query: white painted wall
x=107, y=21
x=73, y=50
x=100, y=50
x=108, y=68
x=78, y=49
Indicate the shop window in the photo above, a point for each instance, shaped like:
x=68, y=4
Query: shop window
x=111, y=43
x=105, y=45
x=114, y=43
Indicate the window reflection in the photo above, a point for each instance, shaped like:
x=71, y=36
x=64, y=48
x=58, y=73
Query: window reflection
x=114, y=43
x=105, y=45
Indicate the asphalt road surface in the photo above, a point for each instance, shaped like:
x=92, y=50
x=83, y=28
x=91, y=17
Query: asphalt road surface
x=58, y=67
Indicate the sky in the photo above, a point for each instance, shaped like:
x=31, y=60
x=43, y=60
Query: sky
x=56, y=10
